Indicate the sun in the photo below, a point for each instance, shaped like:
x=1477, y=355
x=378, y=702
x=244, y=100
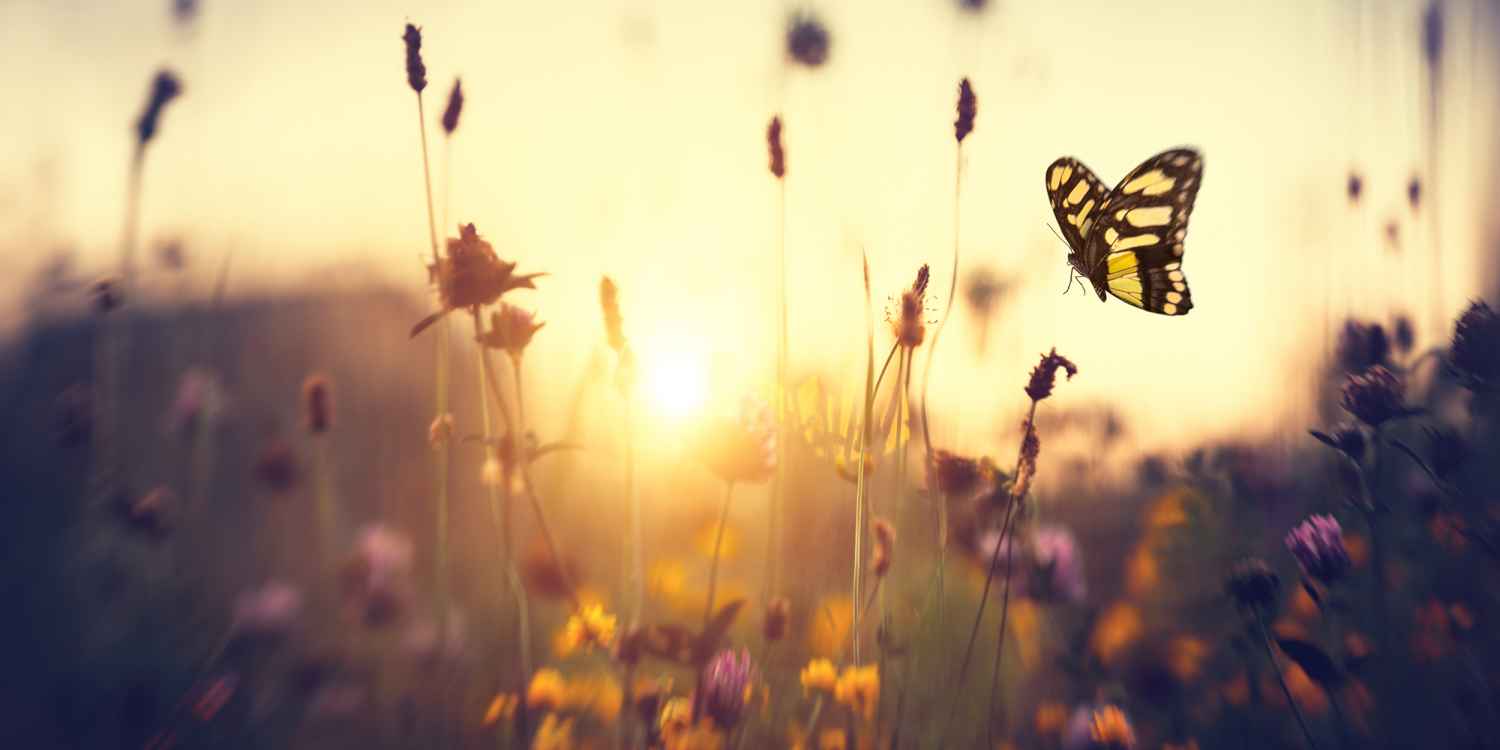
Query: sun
x=677, y=383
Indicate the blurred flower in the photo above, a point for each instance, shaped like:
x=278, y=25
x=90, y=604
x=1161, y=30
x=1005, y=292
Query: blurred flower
x=590, y=626
x=1362, y=346
x=1057, y=573
x=184, y=11
x=725, y=682
x=376, y=578
x=270, y=610
x=440, y=431
x=741, y=449
x=778, y=611
x=106, y=295
x=846, y=467
x=909, y=325
x=427, y=641
x=542, y=575
x=317, y=403
x=967, y=108
x=455, y=107
x=1044, y=375
x=701, y=736
x=164, y=88
x=471, y=275
x=858, y=689
x=807, y=40
x=148, y=513
x=1403, y=334
x=199, y=399
x=1432, y=33
x=773, y=144
x=74, y=411
x=511, y=330
x=276, y=466
x=1117, y=628
x=1414, y=193
x=1475, y=354
x=554, y=734
x=1099, y=728
x=1253, y=584
x=958, y=476
x=502, y=708
x=1354, y=187
x=599, y=695
x=171, y=256
x=546, y=691
x=884, y=543
x=1049, y=718
x=819, y=674
x=614, y=326
x=1374, y=396
x=416, y=72
x=829, y=629
x=1318, y=545
x=675, y=719
x=973, y=6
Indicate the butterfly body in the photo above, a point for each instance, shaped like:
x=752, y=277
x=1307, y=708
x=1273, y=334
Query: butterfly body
x=1128, y=241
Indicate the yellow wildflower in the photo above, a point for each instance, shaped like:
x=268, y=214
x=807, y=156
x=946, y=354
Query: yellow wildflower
x=832, y=739
x=502, y=707
x=547, y=690
x=819, y=674
x=858, y=688
x=590, y=626
x=703, y=736
x=1110, y=728
x=600, y=695
x=554, y=734
x=676, y=716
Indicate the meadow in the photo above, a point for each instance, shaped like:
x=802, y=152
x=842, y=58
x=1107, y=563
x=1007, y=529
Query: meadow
x=348, y=519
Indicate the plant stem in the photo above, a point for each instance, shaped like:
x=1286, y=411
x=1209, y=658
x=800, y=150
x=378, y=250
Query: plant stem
x=777, y=510
x=958, y=161
x=864, y=446
x=1265, y=639
x=327, y=513
x=637, y=536
x=524, y=459
x=713, y=568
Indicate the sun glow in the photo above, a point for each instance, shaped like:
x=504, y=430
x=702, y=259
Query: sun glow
x=677, y=383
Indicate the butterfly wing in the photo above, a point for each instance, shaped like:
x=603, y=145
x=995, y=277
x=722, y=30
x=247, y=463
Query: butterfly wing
x=1075, y=194
x=1135, y=247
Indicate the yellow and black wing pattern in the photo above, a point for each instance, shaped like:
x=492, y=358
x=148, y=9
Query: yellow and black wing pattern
x=1132, y=242
x=1075, y=194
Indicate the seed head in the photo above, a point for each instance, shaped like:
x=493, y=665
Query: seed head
x=1354, y=187
x=954, y=475
x=773, y=143
x=164, y=88
x=807, y=40
x=1362, y=346
x=1253, y=584
x=511, y=330
x=455, y=107
x=967, y=108
x=317, y=403
x=1044, y=375
x=1475, y=354
x=416, y=72
x=614, y=326
x=778, y=612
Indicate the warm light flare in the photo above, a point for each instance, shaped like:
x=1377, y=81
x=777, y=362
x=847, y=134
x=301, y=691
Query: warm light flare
x=677, y=382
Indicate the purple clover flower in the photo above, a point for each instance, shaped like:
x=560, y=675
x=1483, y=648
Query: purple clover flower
x=1318, y=545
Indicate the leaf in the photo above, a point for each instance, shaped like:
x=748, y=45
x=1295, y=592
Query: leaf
x=717, y=628
x=1312, y=591
x=1313, y=661
x=1325, y=439
x=427, y=321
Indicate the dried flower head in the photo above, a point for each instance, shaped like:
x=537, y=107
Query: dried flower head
x=317, y=403
x=1432, y=33
x=858, y=689
x=968, y=106
x=614, y=326
x=1414, y=193
x=441, y=430
x=1318, y=545
x=588, y=628
x=511, y=330
x=909, y=325
x=957, y=476
x=1374, y=396
x=741, y=449
x=268, y=611
x=818, y=675
x=1362, y=346
x=164, y=88
x=416, y=72
x=726, y=680
x=276, y=466
x=885, y=542
x=75, y=415
x=1031, y=449
x=455, y=107
x=807, y=40
x=773, y=144
x=778, y=613
x=1044, y=375
x=1475, y=354
x=471, y=275
x=1354, y=187
x=106, y=295
x=1253, y=584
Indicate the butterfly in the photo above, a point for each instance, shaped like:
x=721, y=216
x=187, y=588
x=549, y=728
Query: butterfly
x=1128, y=241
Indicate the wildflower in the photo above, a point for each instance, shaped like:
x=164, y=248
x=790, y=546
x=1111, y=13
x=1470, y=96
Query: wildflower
x=599, y=695
x=1414, y=192
x=199, y=398
x=1044, y=375
x=1374, y=396
x=377, y=577
x=858, y=689
x=1362, y=346
x=590, y=626
x=75, y=415
x=957, y=476
x=675, y=719
x=543, y=576
x=741, y=449
x=1475, y=354
x=471, y=275
x=554, y=734
x=455, y=107
x=276, y=466
x=726, y=680
x=819, y=674
x=267, y=611
x=701, y=736
x=609, y=302
x=1099, y=728
x=1118, y=627
x=1253, y=584
x=778, y=611
x=416, y=72
x=503, y=707
x=967, y=107
x=807, y=40
x=773, y=144
x=106, y=295
x=908, y=325
x=441, y=430
x=1354, y=187
x=317, y=403
x=546, y=691
x=846, y=467
x=1318, y=545
x=431, y=643
x=511, y=330
x=164, y=88
x=885, y=541
x=1056, y=567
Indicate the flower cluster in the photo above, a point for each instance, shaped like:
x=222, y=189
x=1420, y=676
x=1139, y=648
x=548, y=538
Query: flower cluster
x=1318, y=545
x=588, y=628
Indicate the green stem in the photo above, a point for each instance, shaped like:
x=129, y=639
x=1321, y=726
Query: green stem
x=1265, y=639
x=326, y=510
x=860, y=481
x=713, y=568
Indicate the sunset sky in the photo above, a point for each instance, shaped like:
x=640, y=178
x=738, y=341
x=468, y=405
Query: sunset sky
x=627, y=138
